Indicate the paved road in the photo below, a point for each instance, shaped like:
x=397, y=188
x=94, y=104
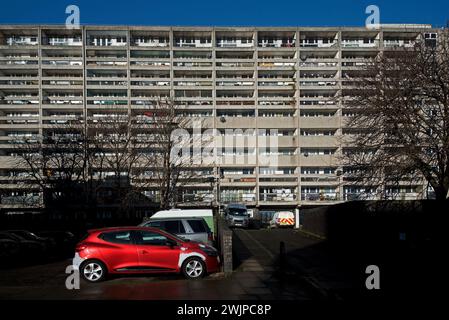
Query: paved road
x=309, y=265
x=48, y=282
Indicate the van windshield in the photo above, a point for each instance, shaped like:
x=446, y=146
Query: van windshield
x=237, y=212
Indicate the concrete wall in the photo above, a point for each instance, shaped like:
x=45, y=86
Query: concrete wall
x=378, y=223
x=224, y=244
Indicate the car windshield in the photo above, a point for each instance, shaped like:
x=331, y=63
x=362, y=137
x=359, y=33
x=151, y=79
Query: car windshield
x=237, y=212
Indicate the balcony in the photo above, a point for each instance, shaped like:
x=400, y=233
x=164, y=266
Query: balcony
x=107, y=41
x=399, y=43
x=360, y=43
x=277, y=122
x=284, y=195
x=62, y=41
x=27, y=200
x=22, y=41
x=235, y=43
x=204, y=197
x=61, y=63
x=318, y=43
x=150, y=42
x=276, y=39
x=193, y=42
x=226, y=197
x=320, y=196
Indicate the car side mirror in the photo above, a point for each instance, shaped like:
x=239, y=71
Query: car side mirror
x=171, y=243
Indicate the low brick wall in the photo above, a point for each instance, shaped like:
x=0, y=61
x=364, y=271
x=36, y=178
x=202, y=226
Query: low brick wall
x=224, y=244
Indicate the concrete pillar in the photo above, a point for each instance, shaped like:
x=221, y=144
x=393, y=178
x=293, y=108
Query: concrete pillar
x=297, y=218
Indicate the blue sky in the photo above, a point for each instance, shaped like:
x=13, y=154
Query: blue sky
x=225, y=12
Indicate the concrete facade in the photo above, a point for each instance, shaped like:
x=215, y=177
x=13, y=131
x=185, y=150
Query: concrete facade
x=234, y=78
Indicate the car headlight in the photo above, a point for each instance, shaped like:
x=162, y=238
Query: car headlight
x=210, y=251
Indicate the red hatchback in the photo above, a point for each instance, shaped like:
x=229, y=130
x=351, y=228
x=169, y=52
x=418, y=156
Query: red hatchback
x=141, y=250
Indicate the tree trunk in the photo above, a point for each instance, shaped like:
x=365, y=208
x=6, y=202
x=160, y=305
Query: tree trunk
x=441, y=193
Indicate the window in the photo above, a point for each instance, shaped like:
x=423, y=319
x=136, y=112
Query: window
x=151, y=238
x=123, y=237
x=174, y=226
x=197, y=226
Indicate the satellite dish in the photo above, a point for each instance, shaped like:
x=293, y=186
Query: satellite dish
x=303, y=57
x=222, y=119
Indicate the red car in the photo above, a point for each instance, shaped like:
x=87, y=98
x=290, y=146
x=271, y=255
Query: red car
x=141, y=250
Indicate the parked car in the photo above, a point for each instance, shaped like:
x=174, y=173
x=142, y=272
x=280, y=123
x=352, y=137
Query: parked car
x=9, y=249
x=206, y=214
x=30, y=236
x=125, y=250
x=64, y=240
x=282, y=219
x=28, y=248
x=236, y=215
x=194, y=229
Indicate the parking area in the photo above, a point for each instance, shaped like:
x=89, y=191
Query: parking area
x=255, y=277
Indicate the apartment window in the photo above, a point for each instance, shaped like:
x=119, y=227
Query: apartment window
x=317, y=152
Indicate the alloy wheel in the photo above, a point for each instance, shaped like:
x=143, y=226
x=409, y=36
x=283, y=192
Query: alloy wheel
x=93, y=271
x=194, y=268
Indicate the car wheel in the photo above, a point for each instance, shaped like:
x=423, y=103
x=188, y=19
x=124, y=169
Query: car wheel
x=93, y=271
x=194, y=268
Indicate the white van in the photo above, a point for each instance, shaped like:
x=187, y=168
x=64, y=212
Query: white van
x=206, y=214
x=282, y=219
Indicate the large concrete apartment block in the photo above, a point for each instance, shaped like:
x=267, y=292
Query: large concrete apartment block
x=239, y=78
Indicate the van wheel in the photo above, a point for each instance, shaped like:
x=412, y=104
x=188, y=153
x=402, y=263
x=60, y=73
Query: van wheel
x=194, y=268
x=93, y=271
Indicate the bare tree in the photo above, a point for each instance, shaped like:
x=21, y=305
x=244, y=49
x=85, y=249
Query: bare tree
x=54, y=161
x=175, y=149
x=113, y=154
x=399, y=128
x=121, y=155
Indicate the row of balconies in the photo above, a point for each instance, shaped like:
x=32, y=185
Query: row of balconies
x=287, y=83
x=282, y=196
x=206, y=42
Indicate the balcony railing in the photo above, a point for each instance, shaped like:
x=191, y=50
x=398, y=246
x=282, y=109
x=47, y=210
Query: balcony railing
x=359, y=43
x=276, y=44
x=317, y=44
x=320, y=196
x=196, y=197
x=277, y=197
x=398, y=43
x=234, y=44
x=150, y=42
x=196, y=43
x=21, y=200
x=22, y=41
x=238, y=197
x=69, y=41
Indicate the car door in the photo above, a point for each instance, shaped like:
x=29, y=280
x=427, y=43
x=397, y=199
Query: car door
x=119, y=252
x=155, y=254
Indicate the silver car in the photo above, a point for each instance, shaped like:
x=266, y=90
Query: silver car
x=236, y=215
x=194, y=229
